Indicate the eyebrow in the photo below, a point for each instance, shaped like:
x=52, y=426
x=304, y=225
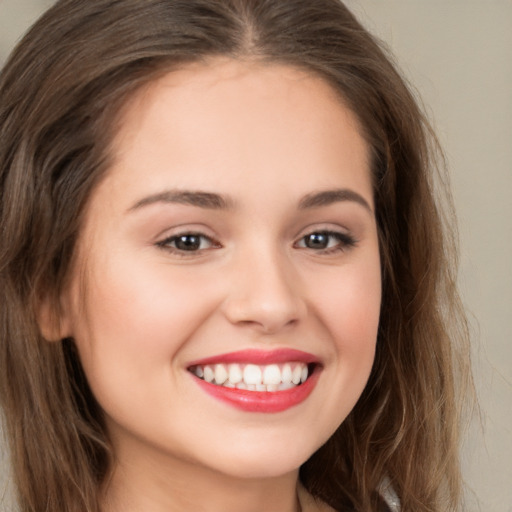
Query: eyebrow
x=328, y=197
x=212, y=201
x=205, y=200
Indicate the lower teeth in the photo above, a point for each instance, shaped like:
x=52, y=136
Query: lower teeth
x=270, y=388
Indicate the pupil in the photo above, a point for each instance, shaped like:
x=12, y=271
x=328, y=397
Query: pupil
x=188, y=242
x=317, y=241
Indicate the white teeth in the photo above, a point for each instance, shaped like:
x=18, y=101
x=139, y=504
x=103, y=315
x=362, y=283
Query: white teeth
x=252, y=374
x=286, y=374
x=221, y=374
x=265, y=378
x=297, y=372
x=235, y=374
x=208, y=374
x=272, y=375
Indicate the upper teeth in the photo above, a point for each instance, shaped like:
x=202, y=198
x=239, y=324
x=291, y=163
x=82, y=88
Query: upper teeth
x=272, y=377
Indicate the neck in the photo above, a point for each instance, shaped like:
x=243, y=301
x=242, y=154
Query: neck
x=156, y=484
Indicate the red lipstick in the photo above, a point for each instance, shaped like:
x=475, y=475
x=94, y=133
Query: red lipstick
x=253, y=356
x=260, y=401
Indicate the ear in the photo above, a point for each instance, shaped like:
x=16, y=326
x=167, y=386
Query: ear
x=53, y=320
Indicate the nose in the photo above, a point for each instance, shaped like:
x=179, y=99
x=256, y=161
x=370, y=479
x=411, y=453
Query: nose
x=264, y=294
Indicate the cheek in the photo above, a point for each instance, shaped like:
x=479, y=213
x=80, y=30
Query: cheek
x=349, y=310
x=131, y=321
x=350, y=307
x=142, y=303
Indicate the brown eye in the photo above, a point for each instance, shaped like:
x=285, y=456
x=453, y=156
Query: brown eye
x=326, y=241
x=187, y=242
x=317, y=240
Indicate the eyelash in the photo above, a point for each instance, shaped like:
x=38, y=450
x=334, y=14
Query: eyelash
x=166, y=243
x=343, y=243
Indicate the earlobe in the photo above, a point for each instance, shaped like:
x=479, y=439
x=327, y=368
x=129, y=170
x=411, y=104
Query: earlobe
x=52, y=320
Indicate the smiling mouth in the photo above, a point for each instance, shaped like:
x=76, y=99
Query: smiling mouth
x=251, y=377
x=258, y=381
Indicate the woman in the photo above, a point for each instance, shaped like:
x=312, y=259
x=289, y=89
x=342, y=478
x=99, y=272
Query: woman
x=225, y=277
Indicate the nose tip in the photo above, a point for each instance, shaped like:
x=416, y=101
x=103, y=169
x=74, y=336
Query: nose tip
x=267, y=301
x=267, y=317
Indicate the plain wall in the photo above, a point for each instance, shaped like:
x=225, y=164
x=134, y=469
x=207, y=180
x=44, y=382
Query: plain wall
x=458, y=54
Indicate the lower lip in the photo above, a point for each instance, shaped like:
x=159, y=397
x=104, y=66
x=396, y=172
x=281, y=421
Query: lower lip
x=261, y=401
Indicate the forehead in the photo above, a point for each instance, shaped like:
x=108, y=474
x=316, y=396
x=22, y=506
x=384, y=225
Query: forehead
x=226, y=109
x=230, y=94
x=224, y=122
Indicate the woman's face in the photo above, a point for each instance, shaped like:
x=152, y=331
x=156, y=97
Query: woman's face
x=233, y=238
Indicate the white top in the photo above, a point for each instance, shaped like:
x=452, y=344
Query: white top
x=389, y=495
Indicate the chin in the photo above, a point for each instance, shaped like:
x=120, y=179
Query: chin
x=260, y=464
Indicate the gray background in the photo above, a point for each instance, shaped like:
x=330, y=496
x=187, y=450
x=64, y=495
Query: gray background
x=458, y=54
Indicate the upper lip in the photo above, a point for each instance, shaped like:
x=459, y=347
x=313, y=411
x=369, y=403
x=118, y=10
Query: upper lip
x=258, y=357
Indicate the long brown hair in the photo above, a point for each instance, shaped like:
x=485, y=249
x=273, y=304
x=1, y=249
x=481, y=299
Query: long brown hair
x=60, y=96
